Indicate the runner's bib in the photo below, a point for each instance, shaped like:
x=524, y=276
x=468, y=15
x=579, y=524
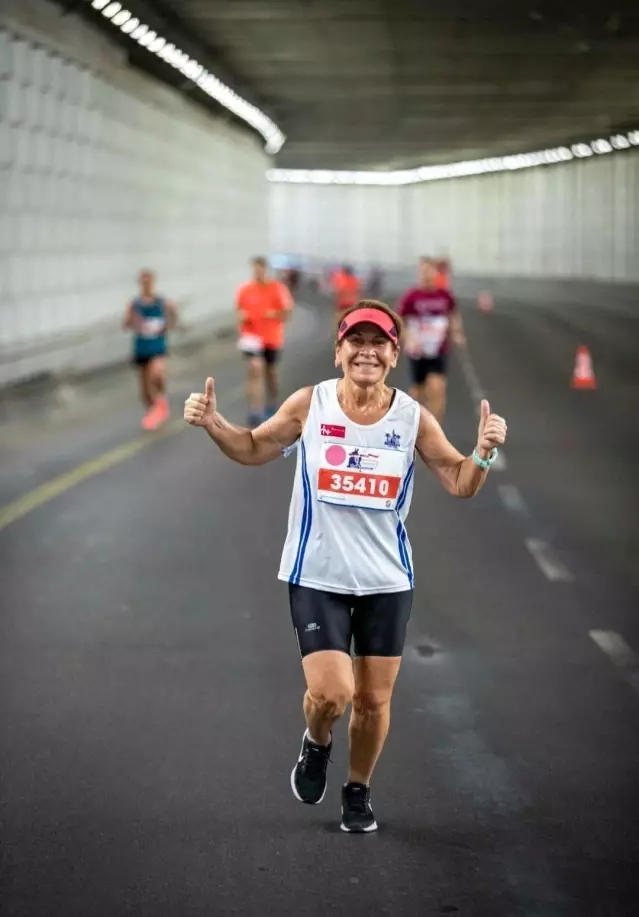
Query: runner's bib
x=152, y=327
x=250, y=343
x=361, y=477
x=427, y=335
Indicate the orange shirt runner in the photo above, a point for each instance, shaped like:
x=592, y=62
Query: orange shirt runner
x=257, y=302
x=442, y=280
x=347, y=289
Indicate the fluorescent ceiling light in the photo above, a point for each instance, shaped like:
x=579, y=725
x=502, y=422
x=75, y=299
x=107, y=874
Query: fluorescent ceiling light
x=192, y=70
x=601, y=146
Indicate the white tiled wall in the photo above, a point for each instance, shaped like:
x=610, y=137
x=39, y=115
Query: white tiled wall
x=578, y=220
x=97, y=181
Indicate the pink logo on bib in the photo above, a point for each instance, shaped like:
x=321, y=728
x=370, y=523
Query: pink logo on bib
x=336, y=455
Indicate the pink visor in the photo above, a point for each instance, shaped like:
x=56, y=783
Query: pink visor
x=375, y=316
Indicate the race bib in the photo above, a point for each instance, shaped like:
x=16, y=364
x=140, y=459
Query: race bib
x=426, y=336
x=152, y=327
x=355, y=476
x=250, y=343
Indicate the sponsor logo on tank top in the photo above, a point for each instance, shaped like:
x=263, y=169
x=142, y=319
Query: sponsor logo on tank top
x=331, y=429
x=362, y=461
x=393, y=440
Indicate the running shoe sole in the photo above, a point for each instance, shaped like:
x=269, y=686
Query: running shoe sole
x=366, y=830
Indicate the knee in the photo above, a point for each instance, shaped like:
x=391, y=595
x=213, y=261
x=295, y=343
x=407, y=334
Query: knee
x=332, y=699
x=156, y=370
x=371, y=703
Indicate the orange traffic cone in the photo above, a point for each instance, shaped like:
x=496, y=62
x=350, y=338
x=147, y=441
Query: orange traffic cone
x=485, y=301
x=583, y=375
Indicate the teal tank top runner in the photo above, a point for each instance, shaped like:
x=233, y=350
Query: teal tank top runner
x=150, y=339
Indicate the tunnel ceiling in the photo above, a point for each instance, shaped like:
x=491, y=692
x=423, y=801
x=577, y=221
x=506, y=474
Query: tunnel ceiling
x=361, y=84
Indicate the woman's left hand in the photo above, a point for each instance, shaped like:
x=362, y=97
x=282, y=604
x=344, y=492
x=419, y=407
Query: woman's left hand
x=492, y=430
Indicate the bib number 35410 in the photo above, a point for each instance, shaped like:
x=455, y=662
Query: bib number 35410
x=369, y=481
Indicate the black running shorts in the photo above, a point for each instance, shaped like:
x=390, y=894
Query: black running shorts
x=270, y=355
x=145, y=360
x=375, y=625
x=421, y=367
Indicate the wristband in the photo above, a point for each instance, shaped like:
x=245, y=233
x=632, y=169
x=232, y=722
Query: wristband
x=485, y=463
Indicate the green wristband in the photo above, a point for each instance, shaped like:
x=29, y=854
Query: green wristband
x=485, y=463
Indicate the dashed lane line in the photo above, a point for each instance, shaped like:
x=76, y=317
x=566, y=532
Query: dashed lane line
x=550, y=565
x=620, y=653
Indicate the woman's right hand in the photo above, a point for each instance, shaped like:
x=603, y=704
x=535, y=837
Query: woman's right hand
x=199, y=408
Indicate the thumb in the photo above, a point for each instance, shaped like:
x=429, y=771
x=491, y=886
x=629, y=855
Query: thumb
x=484, y=412
x=209, y=387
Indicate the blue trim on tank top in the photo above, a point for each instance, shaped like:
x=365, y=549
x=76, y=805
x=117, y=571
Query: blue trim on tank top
x=307, y=518
x=401, y=531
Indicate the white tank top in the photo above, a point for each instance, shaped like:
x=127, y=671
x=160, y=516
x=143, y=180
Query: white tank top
x=351, y=496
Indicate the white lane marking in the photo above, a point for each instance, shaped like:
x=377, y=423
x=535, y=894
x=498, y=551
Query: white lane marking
x=614, y=645
x=472, y=380
x=511, y=498
x=477, y=394
x=620, y=653
x=550, y=566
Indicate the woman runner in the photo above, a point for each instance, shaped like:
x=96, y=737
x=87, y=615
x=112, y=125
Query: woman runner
x=347, y=559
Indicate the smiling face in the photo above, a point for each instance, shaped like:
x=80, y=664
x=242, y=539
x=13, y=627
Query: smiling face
x=366, y=355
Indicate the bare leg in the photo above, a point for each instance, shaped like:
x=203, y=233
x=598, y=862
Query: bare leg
x=329, y=679
x=418, y=392
x=272, y=386
x=145, y=385
x=157, y=374
x=255, y=385
x=370, y=717
x=436, y=395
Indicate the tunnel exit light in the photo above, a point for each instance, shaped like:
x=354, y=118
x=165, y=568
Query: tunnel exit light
x=130, y=25
x=599, y=147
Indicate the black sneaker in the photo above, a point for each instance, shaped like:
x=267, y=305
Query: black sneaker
x=357, y=815
x=308, y=779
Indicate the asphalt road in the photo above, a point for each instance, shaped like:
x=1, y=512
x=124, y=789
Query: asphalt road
x=151, y=689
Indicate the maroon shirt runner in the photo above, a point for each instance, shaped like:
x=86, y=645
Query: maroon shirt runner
x=426, y=314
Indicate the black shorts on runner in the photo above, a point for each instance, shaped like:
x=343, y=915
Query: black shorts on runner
x=142, y=361
x=270, y=355
x=375, y=625
x=422, y=367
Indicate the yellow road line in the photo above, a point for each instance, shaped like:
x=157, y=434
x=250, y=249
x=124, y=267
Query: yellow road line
x=19, y=508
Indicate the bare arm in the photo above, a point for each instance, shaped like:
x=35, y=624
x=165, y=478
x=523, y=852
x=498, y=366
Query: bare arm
x=457, y=329
x=266, y=442
x=285, y=310
x=241, y=315
x=171, y=315
x=129, y=316
x=459, y=474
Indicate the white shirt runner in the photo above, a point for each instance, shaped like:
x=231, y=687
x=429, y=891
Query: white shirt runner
x=426, y=335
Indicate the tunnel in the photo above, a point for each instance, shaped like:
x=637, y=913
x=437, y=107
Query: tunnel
x=206, y=555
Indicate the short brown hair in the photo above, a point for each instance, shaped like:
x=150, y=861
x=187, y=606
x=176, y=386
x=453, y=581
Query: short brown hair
x=381, y=307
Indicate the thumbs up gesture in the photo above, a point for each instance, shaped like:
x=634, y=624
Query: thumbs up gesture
x=492, y=430
x=199, y=408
